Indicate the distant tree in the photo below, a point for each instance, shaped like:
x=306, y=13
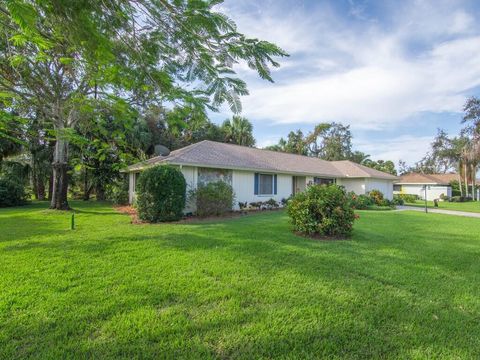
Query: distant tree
x=295, y=144
x=330, y=141
x=382, y=165
x=359, y=157
x=238, y=130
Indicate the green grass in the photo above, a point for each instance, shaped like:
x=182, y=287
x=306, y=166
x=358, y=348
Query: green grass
x=405, y=286
x=470, y=206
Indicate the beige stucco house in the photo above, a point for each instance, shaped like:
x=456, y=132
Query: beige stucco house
x=258, y=175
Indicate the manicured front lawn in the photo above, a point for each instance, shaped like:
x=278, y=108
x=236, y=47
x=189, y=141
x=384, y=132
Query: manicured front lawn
x=470, y=206
x=405, y=286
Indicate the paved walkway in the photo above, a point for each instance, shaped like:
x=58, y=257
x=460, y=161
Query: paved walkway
x=439, y=211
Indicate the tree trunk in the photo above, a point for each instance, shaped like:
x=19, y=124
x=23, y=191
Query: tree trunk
x=474, y=171
x=86, y=189
x=50, y=186
x=40, y=188
x=460, y=185
x=100, y=191
x=60, y=175
x=466, y=179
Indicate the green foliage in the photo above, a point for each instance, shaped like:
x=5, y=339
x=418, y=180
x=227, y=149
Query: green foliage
x=397, y=200
x=322, y=210
x=117, y=192
x=377, y=197
x=238, y=130
x=460, y=199
x=455, y=188
x=214, y=199
x=408, y=198
x=160, y=194
x=271, y=203
x=381, y=165
x=360, y=202
x=12, y=192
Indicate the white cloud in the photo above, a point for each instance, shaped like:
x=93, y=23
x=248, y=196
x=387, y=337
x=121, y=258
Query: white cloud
x=406, y=147
x=372, y=73
x=368, y=78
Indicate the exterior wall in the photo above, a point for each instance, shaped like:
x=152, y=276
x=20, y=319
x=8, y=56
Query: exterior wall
x=189, y=172
x=131, y=188
x=243, y=183
x=385, y=186
x=355, y=185
x=433, y=192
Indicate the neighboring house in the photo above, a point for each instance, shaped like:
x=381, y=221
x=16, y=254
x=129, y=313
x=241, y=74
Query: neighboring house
x=414, y=184
x=258, y=175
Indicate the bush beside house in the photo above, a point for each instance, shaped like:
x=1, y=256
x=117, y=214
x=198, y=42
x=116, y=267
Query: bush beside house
x=161, y=193
x=322, y=210
x=213, y=199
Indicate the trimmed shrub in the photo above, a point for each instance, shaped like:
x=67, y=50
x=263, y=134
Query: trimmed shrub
x=322, y=210
x=397, y=200
x=12, y=193
x=215, y=198
x=408, y=198
x=460, y=199
x=161, y=194
x=271, y=204
x=360, y=202
x=377, y=197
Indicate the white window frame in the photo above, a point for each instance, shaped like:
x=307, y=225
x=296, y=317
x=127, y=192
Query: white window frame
x=260, y=186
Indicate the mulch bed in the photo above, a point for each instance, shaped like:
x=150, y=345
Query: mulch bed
x=132, y=212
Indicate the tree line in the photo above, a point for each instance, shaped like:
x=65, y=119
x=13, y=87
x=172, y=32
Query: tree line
x=332, y=142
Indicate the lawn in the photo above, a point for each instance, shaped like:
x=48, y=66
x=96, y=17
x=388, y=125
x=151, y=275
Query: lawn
x=405, y=286
x=470, y=206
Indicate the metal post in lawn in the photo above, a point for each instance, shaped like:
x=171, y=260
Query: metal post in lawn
x=426, y=208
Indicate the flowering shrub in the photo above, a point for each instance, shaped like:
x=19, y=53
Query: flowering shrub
x=322, y=210
x=377, y=197
x=360, y=202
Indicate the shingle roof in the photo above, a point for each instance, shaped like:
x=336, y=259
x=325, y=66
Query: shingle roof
x=351, y=169
x=417, y=178
x=220, y=155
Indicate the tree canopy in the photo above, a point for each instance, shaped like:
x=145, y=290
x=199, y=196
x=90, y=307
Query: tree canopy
x=59, y=59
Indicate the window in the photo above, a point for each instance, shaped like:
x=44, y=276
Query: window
x=397, y=187
x=265, y=184
x=322, y=181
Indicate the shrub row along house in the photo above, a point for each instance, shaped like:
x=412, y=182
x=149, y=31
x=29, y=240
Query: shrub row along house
x=258, y=175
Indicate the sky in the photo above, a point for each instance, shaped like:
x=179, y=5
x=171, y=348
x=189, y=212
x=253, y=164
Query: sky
x=395, y=71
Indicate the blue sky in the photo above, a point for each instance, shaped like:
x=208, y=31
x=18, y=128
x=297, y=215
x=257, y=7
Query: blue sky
x=393, y=70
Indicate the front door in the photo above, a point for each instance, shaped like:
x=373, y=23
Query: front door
x=298, y=184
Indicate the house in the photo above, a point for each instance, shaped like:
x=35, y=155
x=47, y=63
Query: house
x=436, y=185
x=258, y=175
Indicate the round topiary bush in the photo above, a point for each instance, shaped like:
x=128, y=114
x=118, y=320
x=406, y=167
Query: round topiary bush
x=160, y=194
x=11, y=193
x=322, y=210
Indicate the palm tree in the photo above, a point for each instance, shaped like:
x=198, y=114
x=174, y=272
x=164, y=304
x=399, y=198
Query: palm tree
x=239, y=131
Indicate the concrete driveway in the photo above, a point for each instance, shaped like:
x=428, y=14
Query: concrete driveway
x=439, y=211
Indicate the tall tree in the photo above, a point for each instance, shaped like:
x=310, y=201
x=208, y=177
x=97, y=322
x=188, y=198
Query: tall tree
x=330, y=141
x=56, y=56
x=238, y=131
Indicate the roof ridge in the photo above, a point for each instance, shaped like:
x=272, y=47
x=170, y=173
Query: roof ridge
x=265, y=150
